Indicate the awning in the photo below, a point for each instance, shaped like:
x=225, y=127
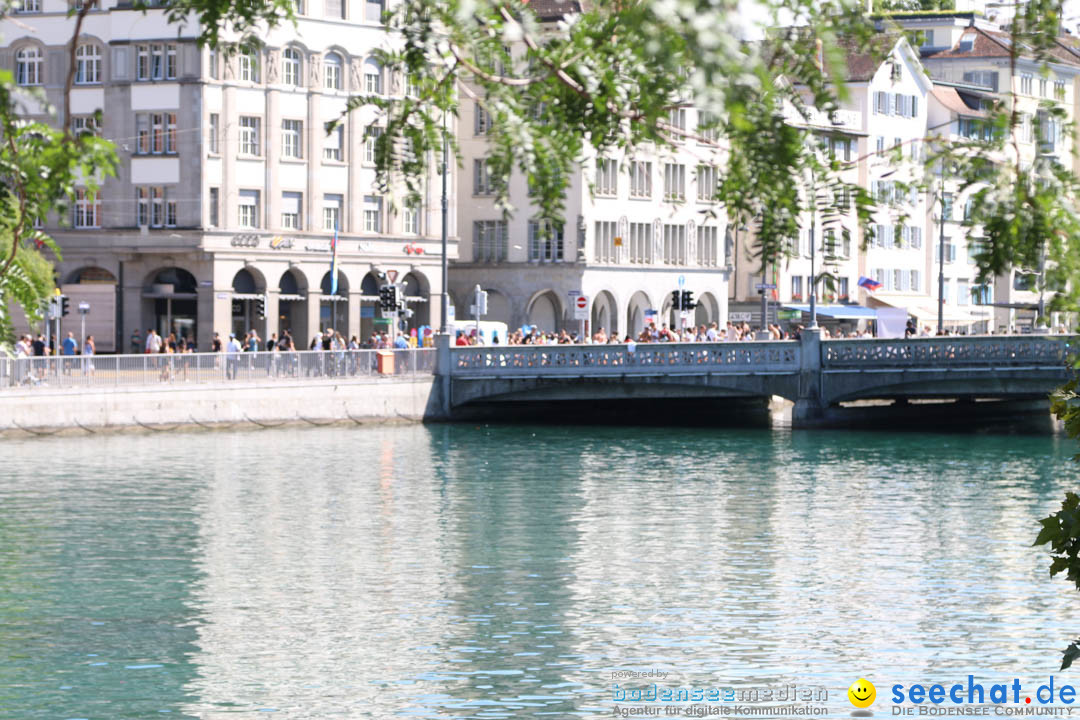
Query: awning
x=838, y=312
x=925, y=309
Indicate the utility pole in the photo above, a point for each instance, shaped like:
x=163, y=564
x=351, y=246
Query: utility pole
x=445, y=223
x=941, y=258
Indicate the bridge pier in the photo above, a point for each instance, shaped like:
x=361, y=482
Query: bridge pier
x=809, y=410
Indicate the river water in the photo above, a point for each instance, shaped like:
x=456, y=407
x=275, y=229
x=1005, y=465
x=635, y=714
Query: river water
x=489, y=572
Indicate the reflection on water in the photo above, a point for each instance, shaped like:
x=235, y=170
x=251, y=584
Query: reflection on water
x=460, y=571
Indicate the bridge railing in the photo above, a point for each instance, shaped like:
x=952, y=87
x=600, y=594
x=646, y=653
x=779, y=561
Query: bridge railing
x=651, y=358
x=987, y=351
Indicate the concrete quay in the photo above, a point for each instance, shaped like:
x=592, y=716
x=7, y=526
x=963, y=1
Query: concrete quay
x=177, y=406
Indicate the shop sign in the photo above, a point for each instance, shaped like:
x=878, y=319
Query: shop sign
x=247, y=240
x=281, y=243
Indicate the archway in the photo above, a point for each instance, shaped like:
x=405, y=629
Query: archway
x=637, y=312
x=499, y=307
x=91, y=275
x=334, y=308
x=544, y=312
x=248, y=302
x=171, y=303
x=707, y=310
x=417, y=299
x=604, y=314
x=292, y=307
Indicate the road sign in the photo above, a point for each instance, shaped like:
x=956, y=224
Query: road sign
x=682, y=281
x=739, y=316
x=84, y=307
x=765, y=286
x=391, y=275
x=581, y=307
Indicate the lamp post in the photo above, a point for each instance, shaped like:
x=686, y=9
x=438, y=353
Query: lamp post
x=813, y=254
x=443, y=328
x=941, y=258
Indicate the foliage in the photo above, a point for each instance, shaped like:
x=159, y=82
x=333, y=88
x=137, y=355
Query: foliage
x=40, y=169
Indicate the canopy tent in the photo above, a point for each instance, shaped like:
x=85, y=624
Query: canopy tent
x=837, y=312
x=925, y=309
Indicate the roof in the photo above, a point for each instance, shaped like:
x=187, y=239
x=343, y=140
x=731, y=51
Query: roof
x=997, y=44
x=952, y=101
x=863, y=62
x=549, y=10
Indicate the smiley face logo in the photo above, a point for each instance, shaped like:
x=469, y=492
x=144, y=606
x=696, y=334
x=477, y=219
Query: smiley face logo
x=862, y=693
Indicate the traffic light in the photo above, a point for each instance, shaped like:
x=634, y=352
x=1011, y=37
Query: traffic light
x=688, y=300
x=260, y=307
x=388, y=297
x=675, y=300
x=65, y=307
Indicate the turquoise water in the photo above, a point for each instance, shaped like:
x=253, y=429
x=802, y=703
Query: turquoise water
x=487, y=572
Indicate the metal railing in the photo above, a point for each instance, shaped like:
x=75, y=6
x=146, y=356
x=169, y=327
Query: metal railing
x=726, y=357
x=102, y=371
x=950, y=352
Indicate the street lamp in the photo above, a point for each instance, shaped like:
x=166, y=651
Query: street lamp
x=813, y=254
x=443, y=328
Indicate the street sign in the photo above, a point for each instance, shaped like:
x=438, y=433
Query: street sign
x=788, y=314
x=573, y=294
x=391, y=275
x=739, y=316
x=682, y=281
x=581, y=307
x=765, y=286
x=84, y=307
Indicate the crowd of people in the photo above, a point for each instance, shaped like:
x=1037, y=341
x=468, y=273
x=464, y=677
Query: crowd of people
x=731, y=332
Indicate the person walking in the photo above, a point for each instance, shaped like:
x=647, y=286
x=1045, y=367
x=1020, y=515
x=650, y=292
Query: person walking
x=70, y=347
x=88, y=355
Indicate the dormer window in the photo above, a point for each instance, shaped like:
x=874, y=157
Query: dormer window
x=967, y=43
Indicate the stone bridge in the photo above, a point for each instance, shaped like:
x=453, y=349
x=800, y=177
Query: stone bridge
x=816, y=375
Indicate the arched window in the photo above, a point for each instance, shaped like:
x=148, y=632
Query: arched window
x=28, y=66
x=372, y=78
x=291, y=67
x=87, y=64
x=332, y=74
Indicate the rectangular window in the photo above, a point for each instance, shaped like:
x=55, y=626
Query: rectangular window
x=985, y=78
x=292, y=139
x=677, y=120
x=1042, y=87
x=945, y=290
x=334, y=143
x=707, y=242
x=675, y=244
x=1059, y=89
x=249, y=67
x=215, y=207
x=142, y=62
x=170, y=133
x=489, y=241
x=641, y=179
x=155, y=207
x=1026, y=84
x=215, y=133
x=411, y=220
x=674, y=182
x=796, y=287
x=604, y=241
x=373, y=211
x=913, y=276
x=880, y=146
x=248, y=216
x=87, y=209
x=291, y=204
x=842, y=288
x=335, y=9
x=607, y=177
x=481, y=120
x=373, y=10
x=157, y=62
x=963, y=292
x=481, y=178
x=170, y=62
x=250, y=135
x=371, y=141
x=898, y=280
x=212, y=67
x=545, y=242
x=706, y=183
x=331, y=218
x=707, y=127
x=641, y=243
x=83, y=125
x=27, y=6
x=947, y=206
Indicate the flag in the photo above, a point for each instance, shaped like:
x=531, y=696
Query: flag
x=869, y=283
x=333, y=262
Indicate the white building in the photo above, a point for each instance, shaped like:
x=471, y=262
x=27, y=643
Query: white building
x=229, y=188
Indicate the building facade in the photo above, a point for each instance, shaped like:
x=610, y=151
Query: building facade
x=229, y=189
